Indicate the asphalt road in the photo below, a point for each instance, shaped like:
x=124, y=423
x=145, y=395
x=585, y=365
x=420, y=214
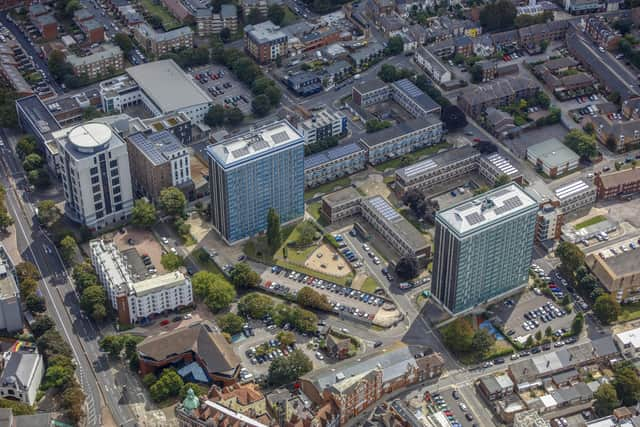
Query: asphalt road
x=94, y=369
x=30, y=50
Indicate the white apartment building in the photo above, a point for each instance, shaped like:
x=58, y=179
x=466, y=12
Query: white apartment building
x=323, y=124
x=94, y=169
x=432, y=65
x=135, y=297
x=21, y=376
x=628, y=342
x=575, y=195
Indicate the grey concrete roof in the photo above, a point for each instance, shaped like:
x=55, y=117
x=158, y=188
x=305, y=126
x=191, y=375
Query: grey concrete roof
x=157, y=147
x=552, y=152
x=384, y=135
x=182, y=93
x=21, y=369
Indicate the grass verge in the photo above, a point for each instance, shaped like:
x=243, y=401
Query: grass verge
x=629, y=312
x=591, y=221
x=168, y=21
x=369, y=285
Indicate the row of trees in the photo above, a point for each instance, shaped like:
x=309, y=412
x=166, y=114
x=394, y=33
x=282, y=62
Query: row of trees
x=116, y=344
x=461, y=337
x=624, y=390
x=32, y=162
x=8, y=116
x=389, y=73
x=219, y=115
x=93, y=299
x=321, y=145
x=257, y=306
x=582, y=143
x=59, y=374
x=28, y=277
x=5, y=219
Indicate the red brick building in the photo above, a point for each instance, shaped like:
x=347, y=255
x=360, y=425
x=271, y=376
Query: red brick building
x=196, y=343
x=620, y=183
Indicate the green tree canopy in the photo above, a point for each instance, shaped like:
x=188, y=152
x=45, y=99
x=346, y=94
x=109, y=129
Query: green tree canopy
x=274, y=236
x=606, y=400
x=395, y=45
x=68, y=248
x=627, y=383
x=230, y=323
x=261, y=105
x=243, y=276
x=407, y=267
x=213, y=289
x=458, y=335
x=255, y=305
x=276, y=14
x=308, y=297
x=32, y=161
x=143, y=214
x=582, y=143
x=173, y=201
x=498, y=15
x=91, y=296
x=482, y=341
x=25, y=146
x=171, y=262
x=570, y=256
x=285, y=370
x=124, y=42
x=606, y=309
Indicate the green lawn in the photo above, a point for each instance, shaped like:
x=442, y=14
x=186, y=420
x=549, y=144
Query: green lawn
x=591, y=221
x=369, y=285
x=411, y=158
x=289, y=17
x=295, y=255
x=168, y=21
x=629, y=312
x=327, y=188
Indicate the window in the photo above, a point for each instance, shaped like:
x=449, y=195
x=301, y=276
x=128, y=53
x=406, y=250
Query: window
x=115, y=181
x=116, y=190
x=93, y=170
x=117, y=199
x=119, y=207
x=96, y=198
x=98, y=206
x=96, y=189
x=113, y=163
x=95, y=179
x=99, y=214
x=114, y=172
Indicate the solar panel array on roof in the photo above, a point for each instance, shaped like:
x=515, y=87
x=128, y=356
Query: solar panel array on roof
x=502, y=164
x=280, y=137
x=384, y=208
x=259, y=145
x=409, y=88
x=571, y=189
x=331, y=154
x=474, y=218
x=420, y=167
x=509, y=204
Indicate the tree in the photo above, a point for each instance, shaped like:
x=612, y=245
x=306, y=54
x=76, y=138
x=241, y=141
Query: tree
x=538, y=335
x=173, y=201
x=234, y=116
x=73, y=402
x=169, y=384
x=27, y=270
x=243, y=276
x=577, y=324
x=274, y=237
x=453, y=117
x=407, y=267
x=48, y=212
x=582, y=143
x=143, y=214
x=395, y=46
x=498, y=15
x=286, y=338
x=41, y=325
x=57, y=376
x=27, y=287
x=261, y=105
x=213, y=289
x=124, y=42
x=230, y=323
x=548, y=331
x=458, y=335
x=308, y=297
x=375, y=125
x=627, y=383
x=589, y=128
x=274, y=94
x=611, y=143
x=171, y=262
x=215, y=116
x=91, y=296
x=225, y=34
x=5, y=219
x=476, y=73
x=39, y=178
x=606, y=400
x=35, y=304
x=58, y=66
x=25, y=146
x=482, y=341
x=570, y=256
x=32, y=161
x=68, y=248
x=502, y=179
x=276, y=14
x=288, y=369
x=70, y=7
x=112, y=344
x=306, y=233
x=255, y=305
x=387, y=73
x=606, y=309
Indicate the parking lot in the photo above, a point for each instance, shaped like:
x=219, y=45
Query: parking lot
x=263, y=335
x=223, y=87
x=345, y=300
x=445, y=403
x=525, y=315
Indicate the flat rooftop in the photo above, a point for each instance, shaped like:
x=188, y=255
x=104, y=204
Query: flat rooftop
x=39, y=115
x=159, y=283
x=396, y=222
x=552, y=153
x=108, y=51
x=158, y=147
x=331, y=154
x=438, y=161
x=366, y=86
x=403, y=128
x=407, y=87
x=264, y=32
x=341, y=196
x=623, y=264
x=169, y=87
x=571, y=189
x=253, y=143
x=487, y=208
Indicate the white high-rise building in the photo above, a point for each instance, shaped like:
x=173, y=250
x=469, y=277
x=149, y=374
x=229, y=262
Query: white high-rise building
x=94, y=168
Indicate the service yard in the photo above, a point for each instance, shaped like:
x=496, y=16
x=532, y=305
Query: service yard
x=223, y=87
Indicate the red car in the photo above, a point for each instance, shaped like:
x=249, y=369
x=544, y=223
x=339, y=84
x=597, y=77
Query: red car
x=164, y=322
